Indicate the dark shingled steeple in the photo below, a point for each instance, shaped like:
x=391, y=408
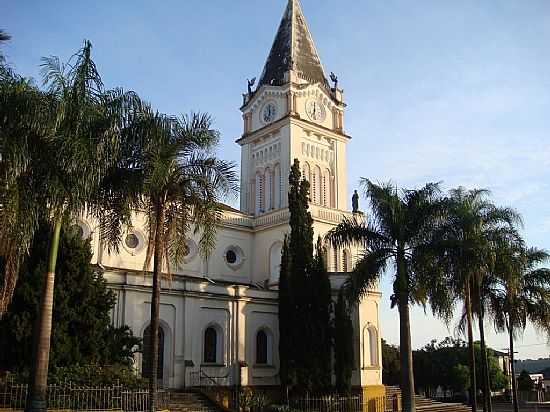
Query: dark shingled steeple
x=294, y=49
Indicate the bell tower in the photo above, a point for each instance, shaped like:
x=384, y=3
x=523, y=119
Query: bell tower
x=293, y=113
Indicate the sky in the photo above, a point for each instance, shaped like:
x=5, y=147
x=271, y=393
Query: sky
x=449, y=91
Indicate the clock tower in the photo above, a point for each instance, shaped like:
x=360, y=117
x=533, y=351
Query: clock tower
x=294, y=113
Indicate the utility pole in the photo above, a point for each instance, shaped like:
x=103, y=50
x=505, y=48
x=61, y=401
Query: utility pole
x=511, y=372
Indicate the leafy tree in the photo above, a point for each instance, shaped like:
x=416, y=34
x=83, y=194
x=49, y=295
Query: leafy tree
x=168, y=171
x=442, y=365
x=82, y=333
x=391, y=366
x=525, y=383
x=460, y=378
x=397, y=234
x=343, y=345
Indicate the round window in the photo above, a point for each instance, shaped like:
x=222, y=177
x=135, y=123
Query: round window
x=132, y=241
x=234, y=257
x=231, y=257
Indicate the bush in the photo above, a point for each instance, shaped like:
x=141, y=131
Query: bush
x=95, y=375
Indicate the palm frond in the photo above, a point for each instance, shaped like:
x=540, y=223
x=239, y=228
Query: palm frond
x=351, y=231
x=366, y=274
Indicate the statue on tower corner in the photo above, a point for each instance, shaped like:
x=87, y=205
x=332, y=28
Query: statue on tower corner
x=334, y=79
x=355, y=202
x=251, y=84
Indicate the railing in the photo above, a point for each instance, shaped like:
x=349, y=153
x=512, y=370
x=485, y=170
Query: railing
x=200, y=379
x=282, y=215
x=218, y=389
x=68, y=396
x=534, y=396
x=337, y=403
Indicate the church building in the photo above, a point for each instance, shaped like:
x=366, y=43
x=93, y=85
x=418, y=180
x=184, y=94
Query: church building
x=218, y=316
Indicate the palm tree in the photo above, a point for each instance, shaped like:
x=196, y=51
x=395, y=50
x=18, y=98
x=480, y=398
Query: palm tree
x=518, y=291
x=24, y=120
x=70, y=136
x=397, y=233
x=466, y=245
x=170, y=174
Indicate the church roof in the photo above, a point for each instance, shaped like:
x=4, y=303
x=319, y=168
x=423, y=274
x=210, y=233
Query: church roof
x=294, y=49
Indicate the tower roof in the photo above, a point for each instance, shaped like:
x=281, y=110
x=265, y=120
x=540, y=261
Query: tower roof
x=294, y=49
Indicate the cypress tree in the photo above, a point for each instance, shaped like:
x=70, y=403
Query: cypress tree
x=304, y=298
x=321, y=342
x=343, y=345
x=301, y=256
x=81, y=331
x=285, y=320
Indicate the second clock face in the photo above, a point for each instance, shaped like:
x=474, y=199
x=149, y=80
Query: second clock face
x=269, y=112
x=315, y=110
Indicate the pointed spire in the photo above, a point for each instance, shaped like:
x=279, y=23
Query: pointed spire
x=293, y=49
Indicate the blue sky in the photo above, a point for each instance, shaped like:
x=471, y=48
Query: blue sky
x=437, y=90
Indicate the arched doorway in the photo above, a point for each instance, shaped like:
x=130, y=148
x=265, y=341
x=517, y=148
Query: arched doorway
x=146, y=359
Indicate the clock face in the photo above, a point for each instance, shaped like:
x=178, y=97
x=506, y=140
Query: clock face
x=269, y=112
x=315, y=110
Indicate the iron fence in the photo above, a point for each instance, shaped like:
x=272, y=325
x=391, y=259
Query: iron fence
x=338, y=403
x=69, y=396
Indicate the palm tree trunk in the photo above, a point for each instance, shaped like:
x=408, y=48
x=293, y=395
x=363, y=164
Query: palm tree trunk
x=471, y=350
x=405, y=347
x=155, y=306
x=487, y=404
x=36, y=399
x=513, y=369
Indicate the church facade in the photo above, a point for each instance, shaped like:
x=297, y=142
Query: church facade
x=219, y=316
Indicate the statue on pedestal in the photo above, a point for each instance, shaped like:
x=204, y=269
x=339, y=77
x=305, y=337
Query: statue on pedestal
x=355, y=202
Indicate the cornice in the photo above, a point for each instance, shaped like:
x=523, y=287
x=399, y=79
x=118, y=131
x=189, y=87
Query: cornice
x=294, y=119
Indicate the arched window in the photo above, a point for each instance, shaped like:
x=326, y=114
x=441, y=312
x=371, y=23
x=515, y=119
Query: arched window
x=332, y=192
x=210, y=345
x=370, y=346
x=324, y=191
x=325, y=258
x=277, y=187
x=281, y=188
x=261, y=348
x=346, y=261
x=335, y=259
x=268, y=190
x=327, y=188
x=146, y=360
x=260, y=195
x=264, y=347
x=316, y=185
